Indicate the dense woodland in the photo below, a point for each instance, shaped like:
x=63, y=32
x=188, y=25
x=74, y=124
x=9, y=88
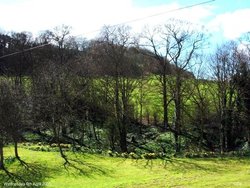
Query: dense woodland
x=157, y=92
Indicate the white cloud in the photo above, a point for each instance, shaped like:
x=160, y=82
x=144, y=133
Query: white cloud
x=87, y=15
x=231, y=24
x=35, y=15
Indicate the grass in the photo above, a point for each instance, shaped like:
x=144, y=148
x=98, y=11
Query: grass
x=90, y=171
x=152, y=96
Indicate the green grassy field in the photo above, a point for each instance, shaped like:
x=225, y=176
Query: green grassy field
x=152, y=101
x=46, y=168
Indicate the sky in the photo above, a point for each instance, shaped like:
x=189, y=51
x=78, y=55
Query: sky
x=224, y=19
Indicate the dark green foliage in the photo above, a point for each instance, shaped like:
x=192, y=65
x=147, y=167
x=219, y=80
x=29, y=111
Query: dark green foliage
x=149, y=156
x=9, y=160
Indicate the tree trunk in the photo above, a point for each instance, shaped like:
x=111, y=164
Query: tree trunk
x=165, y=105
x=16, y=149
x=123, y=140
x=1, y=156
x=177, y=130
x=112, y=138
x=141, y=107
x=177, y=145
x=201, y=131
x=56, y=131
x=94, y=132
x=121, y=126
x=177, y=102
x=221, y=138
x=226, y=139
x=248, y=139
x=141, y=98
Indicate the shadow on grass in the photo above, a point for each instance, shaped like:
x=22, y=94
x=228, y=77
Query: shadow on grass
x=24, y=175
x=147, y=163
x=19, y=173
x=204, y=164
x=182, y=165
x=77, y=166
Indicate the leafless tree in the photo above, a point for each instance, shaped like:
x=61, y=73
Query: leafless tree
x=117, y=64
x=226, y=64
x=175, y=46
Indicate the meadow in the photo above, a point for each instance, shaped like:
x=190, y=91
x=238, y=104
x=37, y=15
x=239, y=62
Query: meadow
x=47, y=169
x=150, y=97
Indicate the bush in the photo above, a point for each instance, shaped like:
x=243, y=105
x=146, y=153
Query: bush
x=110, y=153
x=24, y=144
x=43, y=149
x=162, y=155
x=201, y=154
x=153, y=146
x=124, y=155
x=79, y=148
x=116, y=154
x=53, y=145
x=149, y=156
x=37, y=148
x=65, y=146
x=62, y=145
x=133, y=155
x=10, y=160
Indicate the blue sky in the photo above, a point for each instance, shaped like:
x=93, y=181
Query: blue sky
x=225, y=19
x=223, y=5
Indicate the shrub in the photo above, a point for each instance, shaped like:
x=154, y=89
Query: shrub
x=110, y=153
x=43, y=149
x=133, y=155
x=65, y=146
x=149, y=156
x=116, y=154
x=53, y=145
x=75, y=148
x=124, y=155
x=162, y=155
x=48, y=149
x=37, y=148
x=10, y=160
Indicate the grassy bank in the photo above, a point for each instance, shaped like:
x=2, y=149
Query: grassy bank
x=47, y=168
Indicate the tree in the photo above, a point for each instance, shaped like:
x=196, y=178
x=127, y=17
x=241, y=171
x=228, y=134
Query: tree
x=226, y=64
x=7, y=116
x=242, y=79
x=156, y=45
x=20, y=114
x=62, y=39
x=52, y=101
x=4, y=112
x=176, y=44
x=116, y=63
x=200, y=113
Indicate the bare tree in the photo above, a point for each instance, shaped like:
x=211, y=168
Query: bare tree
x=200, y=108
x=154, y=42
x=6, y=123
x=225, y=65
x=3, y=129
x=60, y=34
x=174, y=46
x=116, y=63
x=52, y=101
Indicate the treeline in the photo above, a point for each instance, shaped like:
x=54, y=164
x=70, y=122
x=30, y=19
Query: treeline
x=92, y=93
